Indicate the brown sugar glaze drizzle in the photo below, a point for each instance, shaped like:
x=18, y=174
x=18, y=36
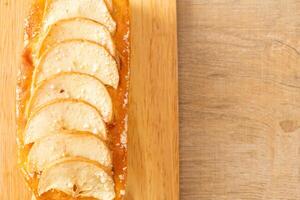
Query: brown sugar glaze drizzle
x=117, y=131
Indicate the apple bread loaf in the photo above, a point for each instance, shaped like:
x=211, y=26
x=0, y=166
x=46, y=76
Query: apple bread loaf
x=72, y=99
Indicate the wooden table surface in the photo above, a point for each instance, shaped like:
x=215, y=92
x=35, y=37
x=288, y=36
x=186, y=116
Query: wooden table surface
x=239, y=77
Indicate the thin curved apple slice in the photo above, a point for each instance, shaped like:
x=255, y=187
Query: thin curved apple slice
x=77, y=28
x=76, y=86
x=75, y=144
x=66, y=114
x=78, y=56
x=97, y=10
x=77, y=178
x=109, y=4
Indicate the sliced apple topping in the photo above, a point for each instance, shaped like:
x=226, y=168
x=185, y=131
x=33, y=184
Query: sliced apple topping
x=77, y=28
x=79, y=56
x=109, y=4
x=61, y=115
x=97, y=10
x=75, y=144
x=76, y=86
x=77, y=178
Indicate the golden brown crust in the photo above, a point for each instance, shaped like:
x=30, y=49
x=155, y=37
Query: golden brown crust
x=32, y=27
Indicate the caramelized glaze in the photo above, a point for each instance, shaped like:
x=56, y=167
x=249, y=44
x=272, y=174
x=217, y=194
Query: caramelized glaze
x=117, y=130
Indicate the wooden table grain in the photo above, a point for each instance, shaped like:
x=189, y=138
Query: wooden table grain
x=239, y=74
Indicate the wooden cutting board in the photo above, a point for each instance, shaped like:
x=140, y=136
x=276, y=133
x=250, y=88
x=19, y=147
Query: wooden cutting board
x=153, y=123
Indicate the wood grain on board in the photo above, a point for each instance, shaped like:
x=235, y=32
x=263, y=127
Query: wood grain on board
x=12, y=13
x=153, y=172
x=239, y=99
x=153, y=122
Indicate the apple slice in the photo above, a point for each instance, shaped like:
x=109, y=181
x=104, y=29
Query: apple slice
x=76, y=86
x=109, y=4
x=96, y=10
x=77, y=178
x=79, y=56
x=75, y=144
x=66, y=114
x=77, y=28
